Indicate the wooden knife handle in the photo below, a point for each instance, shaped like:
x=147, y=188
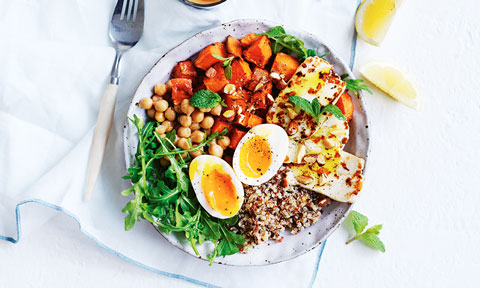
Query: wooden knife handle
x=100, y=138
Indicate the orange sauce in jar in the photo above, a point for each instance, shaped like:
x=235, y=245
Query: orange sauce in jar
x=204, y=2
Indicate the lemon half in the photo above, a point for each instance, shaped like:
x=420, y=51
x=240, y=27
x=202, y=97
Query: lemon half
x=393, y=81
x=374, y=18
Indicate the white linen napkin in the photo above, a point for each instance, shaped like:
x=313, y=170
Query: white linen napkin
x=54, y=68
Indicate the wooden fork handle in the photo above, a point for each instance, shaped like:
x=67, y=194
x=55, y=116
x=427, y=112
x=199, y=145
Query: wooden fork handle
x=100, y=138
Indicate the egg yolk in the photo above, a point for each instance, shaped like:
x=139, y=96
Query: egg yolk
x=219, y=191
x=255, y=157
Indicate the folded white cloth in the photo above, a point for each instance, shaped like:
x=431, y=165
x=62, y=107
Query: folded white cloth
x=55, y=63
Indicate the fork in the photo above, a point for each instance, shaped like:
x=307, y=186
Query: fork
x=125, y=30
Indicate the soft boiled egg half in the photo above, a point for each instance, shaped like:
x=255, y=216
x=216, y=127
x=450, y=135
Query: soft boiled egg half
x=260, y=154
x=216, y=186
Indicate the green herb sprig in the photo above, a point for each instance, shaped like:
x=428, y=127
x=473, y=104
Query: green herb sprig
x=370, y=236
x=355, y=85
x=227, y=64
x=281, y=41
x=315, y=109
x=165, y=197
x=206, y=99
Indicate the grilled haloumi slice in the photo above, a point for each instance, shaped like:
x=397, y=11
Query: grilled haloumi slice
x=340, y=180
x=331, y=133
x=314, y=78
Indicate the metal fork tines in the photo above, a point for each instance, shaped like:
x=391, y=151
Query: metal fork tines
x=125, y=30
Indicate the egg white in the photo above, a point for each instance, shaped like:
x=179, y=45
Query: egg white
x=197, y=166
x=277, y=139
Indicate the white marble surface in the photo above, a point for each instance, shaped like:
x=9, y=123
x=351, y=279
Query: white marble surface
x=422, y=181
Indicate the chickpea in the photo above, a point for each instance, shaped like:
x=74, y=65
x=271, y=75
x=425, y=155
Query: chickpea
x=224, y=142
x=169, y=85
x=183, y=144
x=151, y=113
x=170, y=114
x=205, y=110
x=196, y=152
x=159, y=116
x=160, y=89
x=175, y=142
x=215, y=150
x=207, y=122
x=185, y=120
x=197, y=136
x=177, y=108
x=161, y=129
x=195, y=127
x=156, y=98
x=197, y=116
x=184, y=132
x=161, y=105
x=168, y=124
x=164, y=162
x=146, y=103
x=217, y=111
x=186, y=107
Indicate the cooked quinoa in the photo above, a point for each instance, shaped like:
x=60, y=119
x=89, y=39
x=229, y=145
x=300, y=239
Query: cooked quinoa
x=274, y=206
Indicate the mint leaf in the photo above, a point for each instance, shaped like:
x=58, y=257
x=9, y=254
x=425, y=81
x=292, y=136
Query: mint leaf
x=205, y=99
x=373, y=241
x=334, y=110
x=227, y=63
x=370, y=236
x=355, y=85
x=228, y=72
x=374, y=230
x=316, y=107
x=303, y=103
x=359, y=221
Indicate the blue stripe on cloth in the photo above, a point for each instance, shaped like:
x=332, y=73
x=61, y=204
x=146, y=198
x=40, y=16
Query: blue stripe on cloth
x=354, y=42
x=114, y=252
x=158, y=271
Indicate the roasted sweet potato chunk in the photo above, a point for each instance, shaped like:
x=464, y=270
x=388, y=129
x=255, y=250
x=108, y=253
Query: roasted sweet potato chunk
x=346, y=105
x=248, y=39
x=220, y=125
x=262, y=98
x=235, y=137
x=185, y=69
x=234, y=46
x=181, y=89
x=241, y=73
x=235, y=103
x=259, y=76
x=259, y=52
x=217, y=82
x=248, y=120
x=254, y=120
x=205, y=58
x=285, y=65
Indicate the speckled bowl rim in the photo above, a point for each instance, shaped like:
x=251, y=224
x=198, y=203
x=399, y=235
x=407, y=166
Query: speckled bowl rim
x=360, y=98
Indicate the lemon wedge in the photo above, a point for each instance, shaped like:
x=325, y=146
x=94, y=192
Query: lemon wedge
x=374, y=18
x=393, y=81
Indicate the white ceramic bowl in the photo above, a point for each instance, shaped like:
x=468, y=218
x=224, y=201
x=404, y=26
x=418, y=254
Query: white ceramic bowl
x=332, y=215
